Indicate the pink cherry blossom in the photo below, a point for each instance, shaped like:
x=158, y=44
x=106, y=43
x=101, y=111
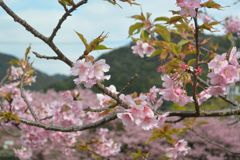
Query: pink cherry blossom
x=15, y=72
x=141, y=116
x=218, y=63
x=142, y=48
x=173, y=91
x=203, y=96
x=217, y=90
x=179, y=149
x=232, y=25
x=106, y=146
x=234, y=56
x=23, y=153
x=225, y=71
x=90, y=73
x=188, y=7
x=162, y=118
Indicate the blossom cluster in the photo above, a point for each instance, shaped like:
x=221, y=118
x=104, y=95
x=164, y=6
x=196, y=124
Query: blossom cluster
x=90, y=73
x=180, y=149
x=173, y=90
x=106, y=146
x=15, y=73
x=141, y=113
x=143, y=48
x=232, y=25
x=188, y=7
x=225, y=71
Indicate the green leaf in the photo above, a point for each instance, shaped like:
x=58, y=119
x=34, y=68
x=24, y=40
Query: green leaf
x=174, y=19
x=156, y=52
x=83, y=39
x=144, y=35
x=138, y=17
x=163, y=32
x=183, y=42
x=101, y=47
x=211, y=4
x=66, y=2
x=135, y=27
x=28, y=49
x=161, y=19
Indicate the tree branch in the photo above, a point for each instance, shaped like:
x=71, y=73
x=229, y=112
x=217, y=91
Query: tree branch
x=197, y=108
x=45, y=57
x=220, y=113
x=37, y=34
x=112, y=95
x=101, y=109
x=26, y=101
x=64, y=17
x=102, y=121
x=204, y=138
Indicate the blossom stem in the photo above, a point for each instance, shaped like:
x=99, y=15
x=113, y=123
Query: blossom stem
x=197, y=108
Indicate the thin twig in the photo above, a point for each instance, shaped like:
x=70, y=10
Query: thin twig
x=58, y=52
x=197, y=108
x=112, y=95
x=64, y=17
x=135, y=76
x=177, y=120
x=45, y=57
x=27, y=102
x=102, y=121
x=204, y=138
x=101, y=109
x=37, y=34
x=3, y=80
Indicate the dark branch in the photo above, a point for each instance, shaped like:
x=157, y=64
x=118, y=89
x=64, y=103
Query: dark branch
x=37, y=34
x=102, y=121
x=197, y=108
x=34, y=115
x=64, y=17
x=45, y=57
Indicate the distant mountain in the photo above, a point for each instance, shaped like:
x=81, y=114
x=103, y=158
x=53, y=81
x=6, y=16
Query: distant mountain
x=44, y=81
x=123, y=64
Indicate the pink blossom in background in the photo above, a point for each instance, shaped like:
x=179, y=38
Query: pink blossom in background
x=188, y=7
x=15, y=73
x=143, y=48
x=232, y=25
x=23, y=153
x=106, y=146
x=90, y=73
x=180, y=149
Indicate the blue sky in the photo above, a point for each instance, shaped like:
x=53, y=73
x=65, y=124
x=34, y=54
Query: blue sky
x=91, y=19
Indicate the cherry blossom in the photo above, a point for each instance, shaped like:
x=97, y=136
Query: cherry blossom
x=232, y=25
x=225, y=71
x=179, y=149
x=188, y=7
x=204, y=96
x=23, y=153
x=173, y=91
x=89, y=73
x=15, y=73
x=143, y=48
x=106, y=146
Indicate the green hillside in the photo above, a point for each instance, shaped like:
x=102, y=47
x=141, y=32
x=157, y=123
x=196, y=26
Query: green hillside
x=123, y=64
